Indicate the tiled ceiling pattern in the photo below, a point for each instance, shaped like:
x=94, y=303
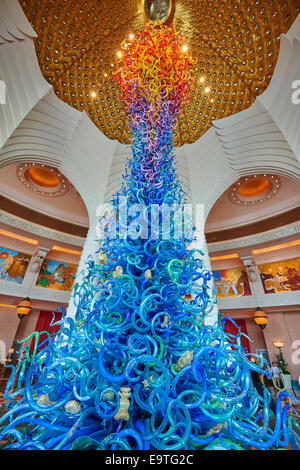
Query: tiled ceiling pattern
x=236, y=43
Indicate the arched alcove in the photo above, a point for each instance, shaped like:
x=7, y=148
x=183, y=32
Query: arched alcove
x=254, y=203
x=40, y=193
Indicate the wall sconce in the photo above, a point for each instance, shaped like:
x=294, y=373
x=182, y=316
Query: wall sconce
x=278, y=344
x=24, y=307
x=260, y=318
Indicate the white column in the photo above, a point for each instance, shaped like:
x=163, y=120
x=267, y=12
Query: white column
x=252, y=270
x=212, y=315
x=89, y=250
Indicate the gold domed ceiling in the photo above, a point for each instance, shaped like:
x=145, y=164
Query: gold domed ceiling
x=236, y=43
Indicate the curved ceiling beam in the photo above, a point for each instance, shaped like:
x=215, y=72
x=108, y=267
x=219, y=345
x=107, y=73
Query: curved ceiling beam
x=19, y=68
x=263, y=138
x=55, y=134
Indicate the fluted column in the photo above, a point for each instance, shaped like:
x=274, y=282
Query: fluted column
x=34, y=266
x=212, y=312
x=253, y=276
x=212, y=315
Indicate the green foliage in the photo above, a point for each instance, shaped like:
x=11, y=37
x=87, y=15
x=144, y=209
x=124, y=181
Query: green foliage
x=281, y=363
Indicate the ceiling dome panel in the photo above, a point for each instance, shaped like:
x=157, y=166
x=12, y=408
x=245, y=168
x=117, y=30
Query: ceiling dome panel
x=236, y=44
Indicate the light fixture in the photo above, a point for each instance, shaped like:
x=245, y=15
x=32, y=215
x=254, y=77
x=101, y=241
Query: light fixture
x=24, y=307
x=278, y=344
x=260, y=318
x=216, y=258
x=93, y=94
x=43, y=177
x=66, y=250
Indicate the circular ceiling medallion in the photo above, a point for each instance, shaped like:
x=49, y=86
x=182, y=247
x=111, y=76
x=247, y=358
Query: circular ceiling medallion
x=43, y=179
x=157, y=10
x=254, y=189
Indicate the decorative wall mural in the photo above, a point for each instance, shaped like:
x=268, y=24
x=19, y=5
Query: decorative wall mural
x=13, y=265
x=282, y=276
x=57, y=275
x=231, y=283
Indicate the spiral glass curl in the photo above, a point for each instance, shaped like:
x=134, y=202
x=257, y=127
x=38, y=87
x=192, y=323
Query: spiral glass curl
x=138, y=368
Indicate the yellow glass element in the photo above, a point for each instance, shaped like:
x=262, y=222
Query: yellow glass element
x=254, y=187
x=42, y=177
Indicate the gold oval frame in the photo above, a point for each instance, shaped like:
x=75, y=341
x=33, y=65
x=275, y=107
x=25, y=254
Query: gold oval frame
x=169, y=16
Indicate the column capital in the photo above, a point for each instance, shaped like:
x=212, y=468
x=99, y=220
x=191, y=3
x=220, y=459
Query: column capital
x=248, y=260
x=250, y=267
x=34, y=266
x=38, y=258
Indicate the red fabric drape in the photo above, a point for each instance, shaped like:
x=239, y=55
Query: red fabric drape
x=43, y=324
x=232, y=329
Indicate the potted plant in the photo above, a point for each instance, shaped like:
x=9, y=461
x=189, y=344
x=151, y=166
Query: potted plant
x=286, y=375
